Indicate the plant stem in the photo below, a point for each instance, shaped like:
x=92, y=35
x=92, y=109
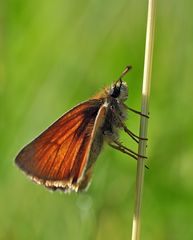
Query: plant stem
x=144, y=120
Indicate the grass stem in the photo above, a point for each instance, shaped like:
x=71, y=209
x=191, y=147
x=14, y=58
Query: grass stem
x=144, y=120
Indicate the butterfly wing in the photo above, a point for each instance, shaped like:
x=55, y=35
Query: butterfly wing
x=58, y=157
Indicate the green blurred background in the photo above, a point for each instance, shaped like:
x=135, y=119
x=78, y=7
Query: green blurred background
x=55, y=54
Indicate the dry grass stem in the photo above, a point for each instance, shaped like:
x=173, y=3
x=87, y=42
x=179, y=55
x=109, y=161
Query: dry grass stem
x=144, y=120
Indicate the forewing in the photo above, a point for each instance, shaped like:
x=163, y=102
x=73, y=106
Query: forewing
x=58, y=157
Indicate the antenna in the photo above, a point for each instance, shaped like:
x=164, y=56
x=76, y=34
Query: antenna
x=124, y=73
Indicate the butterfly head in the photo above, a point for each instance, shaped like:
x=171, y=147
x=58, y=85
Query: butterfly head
x=119, y=90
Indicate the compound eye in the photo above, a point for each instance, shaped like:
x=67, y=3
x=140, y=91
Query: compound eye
x=116, y=89
x=116, y=92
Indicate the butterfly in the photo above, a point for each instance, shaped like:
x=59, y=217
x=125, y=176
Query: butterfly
x=63, y=156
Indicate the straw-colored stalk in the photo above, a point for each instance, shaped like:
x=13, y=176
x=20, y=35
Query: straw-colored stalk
x=144, y=120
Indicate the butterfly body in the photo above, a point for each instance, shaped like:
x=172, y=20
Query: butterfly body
x=62, y=157
x=107, y=131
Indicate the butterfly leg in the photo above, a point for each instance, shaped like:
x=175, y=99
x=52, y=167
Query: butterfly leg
x=135, y=111
x=112, y=140
x=124, y=149
x=131, y=134
x=121, y=146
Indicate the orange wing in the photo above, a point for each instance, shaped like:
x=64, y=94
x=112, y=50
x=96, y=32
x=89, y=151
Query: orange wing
x=58, y=157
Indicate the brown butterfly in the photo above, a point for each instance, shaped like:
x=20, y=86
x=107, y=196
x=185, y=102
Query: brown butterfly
x=62, y=157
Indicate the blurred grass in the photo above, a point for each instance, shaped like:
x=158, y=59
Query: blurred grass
x=58, y=53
